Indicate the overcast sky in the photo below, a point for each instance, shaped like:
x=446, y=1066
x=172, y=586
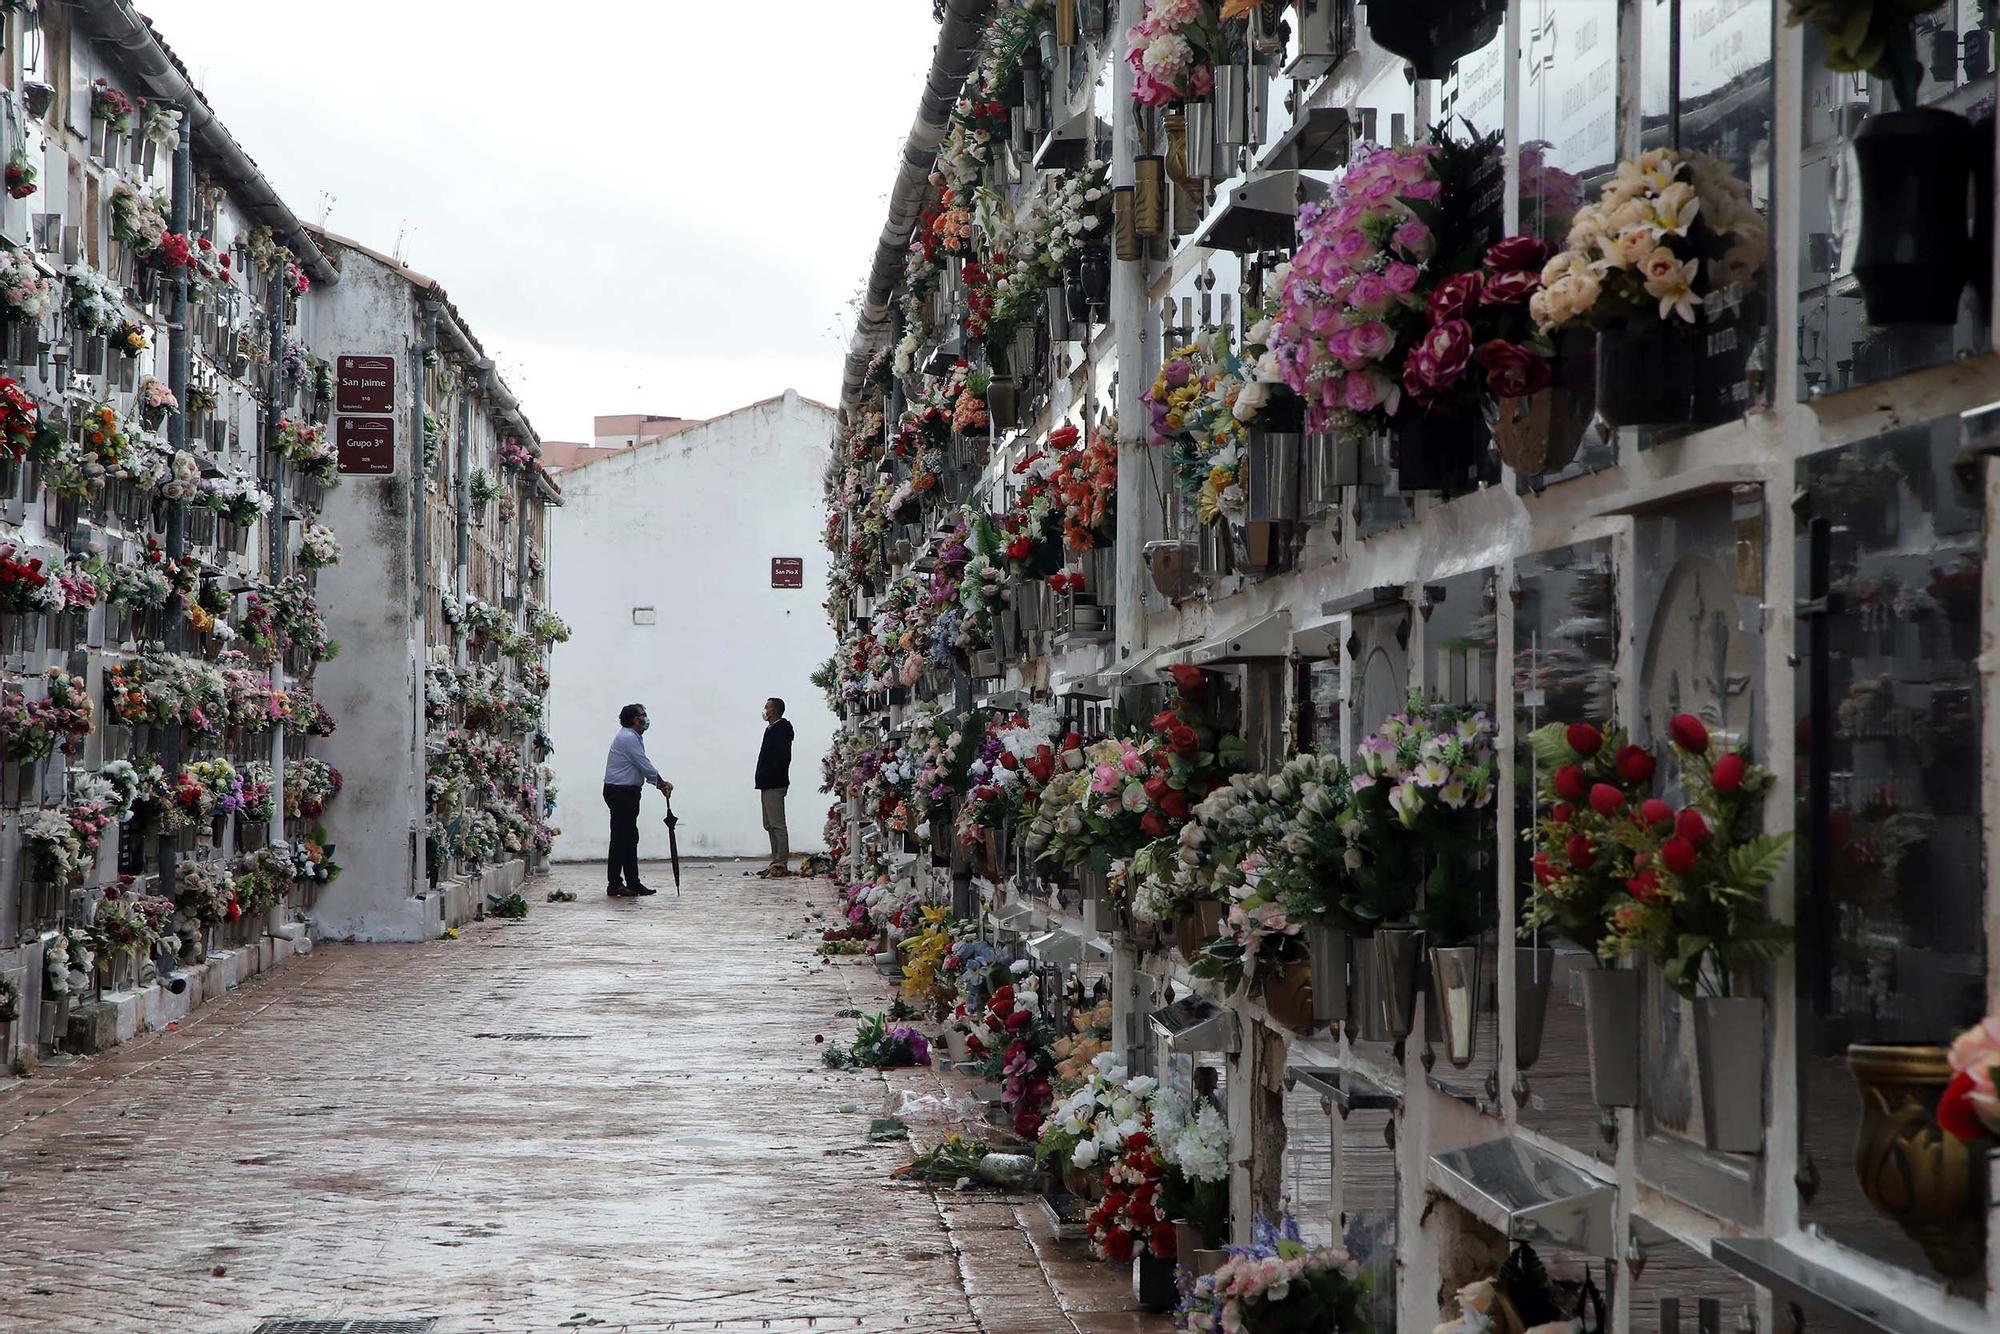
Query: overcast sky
x=638, y=205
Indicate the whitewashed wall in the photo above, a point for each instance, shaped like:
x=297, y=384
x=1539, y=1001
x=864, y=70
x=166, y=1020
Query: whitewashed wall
x=688, y=527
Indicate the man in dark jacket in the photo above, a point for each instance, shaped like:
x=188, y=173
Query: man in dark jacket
x=774, y=779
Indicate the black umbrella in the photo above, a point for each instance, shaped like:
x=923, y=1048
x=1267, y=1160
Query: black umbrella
x=674, y=844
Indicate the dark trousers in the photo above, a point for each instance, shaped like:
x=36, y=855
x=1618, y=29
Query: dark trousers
x=623, y=800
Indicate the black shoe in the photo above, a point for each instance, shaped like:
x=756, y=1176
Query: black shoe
x=638, y=891
x=618, y=892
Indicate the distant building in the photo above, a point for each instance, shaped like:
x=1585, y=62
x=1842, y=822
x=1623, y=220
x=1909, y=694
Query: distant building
x=662, y=564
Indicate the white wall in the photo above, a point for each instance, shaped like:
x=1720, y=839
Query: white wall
x=368, y=600
x=688, y=526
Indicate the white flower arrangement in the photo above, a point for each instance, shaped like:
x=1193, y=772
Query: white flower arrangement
x=1076, y=215
x=24, y=292
x=94, y=300
x=318, y=548
x=55, y=964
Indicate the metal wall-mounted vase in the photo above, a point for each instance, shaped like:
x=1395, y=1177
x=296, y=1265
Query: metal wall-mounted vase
x=1271, y=476
x=1199, y=144
x=1454, y=993
x=1328, y=948
x=1232, y=110
x=1288, y=996
x=1533, y=968
x=1066, y=25
x=1385, y=984
x=1729, y=1062
x=1213, y=552
x=1149, y=196
x=1611, y=1028
x=1003, y=402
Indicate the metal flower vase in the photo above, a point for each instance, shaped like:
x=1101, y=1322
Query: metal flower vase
x=1729, y=1061
x=1153, y=1286
x=1533, y=970
x=1328, y=947
x=1385, y=984
x=1611, y=1027
x=1271, y=476
x=1232, y=111
x=1454, y=992
x=1212, y=555
x=1199, y=145
x=1329, y=462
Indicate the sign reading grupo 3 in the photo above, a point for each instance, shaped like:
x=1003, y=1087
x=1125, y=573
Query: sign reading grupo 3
x=362, y=384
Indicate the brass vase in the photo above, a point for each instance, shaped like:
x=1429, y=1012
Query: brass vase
x=1288, y=995
x=1928, y=1182
x=1188, y=937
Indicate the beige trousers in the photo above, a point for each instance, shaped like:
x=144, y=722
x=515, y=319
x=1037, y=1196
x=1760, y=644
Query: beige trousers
x=774, y=824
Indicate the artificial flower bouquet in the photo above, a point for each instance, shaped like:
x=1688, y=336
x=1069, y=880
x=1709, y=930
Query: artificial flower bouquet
x=51, y=847
x=1194, y=1154
x=1015, y=1038
x=1594, y=818
x=206, y=893
x=1673, y=241
x=1696, y=902
x=879, y=1045
x=1423, y=785
x=1178, y=43
x=1087, y=1129
x=94, y=300
x=1129, y=1220
x=111, y=106
x=1085, y=485
x=1278, y=1285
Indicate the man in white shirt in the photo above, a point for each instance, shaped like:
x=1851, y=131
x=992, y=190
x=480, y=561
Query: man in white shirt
x=627, y=771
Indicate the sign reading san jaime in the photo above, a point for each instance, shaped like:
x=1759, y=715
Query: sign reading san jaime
x=366, y=445
x=365, y=384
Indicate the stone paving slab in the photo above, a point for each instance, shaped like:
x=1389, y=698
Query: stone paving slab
x=608, y=1117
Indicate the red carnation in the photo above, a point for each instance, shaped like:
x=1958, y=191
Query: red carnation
x=1688, y=732
x=1644, y=886
x=1164, y=1241
x=1655, y=812
x=1118, y=1245
x=1692, y=825
x=1678, y=854
x=1583, y=738
x=1545, y=871
x=1563, y=813
x=1727, y=775
x=1571, y=784
x=1606, y=799
x=1580, y=852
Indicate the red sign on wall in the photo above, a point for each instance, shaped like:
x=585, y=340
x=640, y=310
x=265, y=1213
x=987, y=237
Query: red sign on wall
x=788, y=572
x=364, y=384
x=366, y=444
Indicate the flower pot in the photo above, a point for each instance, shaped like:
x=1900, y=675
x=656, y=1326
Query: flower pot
x=1327, y=946
x=1288, y=995
x=1722, y=359
x=1094, y=277
x=1188, y=936
x=1153, y=1286
x=1214, y=549
x=1171, y=565
x=1645, y=375
x=1433, y=34
x=1003, y=402
x=1199, y=143
x=1729, y=1061
x=1272, y=464
x=1913, y=257
x=1065, y=22
x=1542, y=432
x=1208, y=914
x=1438, y=450
x=1454, y=993
x=1232, y=112
x=1385, y=984
x=1329, y=462
x=1922, y=1179
x=956, y=1048
x=1611, y=1027
x=1076, y=310
x=1533, y=970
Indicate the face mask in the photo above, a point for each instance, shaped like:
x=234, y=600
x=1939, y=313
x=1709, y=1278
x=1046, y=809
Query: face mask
x=644, y=725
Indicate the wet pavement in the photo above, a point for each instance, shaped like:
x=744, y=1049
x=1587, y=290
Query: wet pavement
x=611, y=1116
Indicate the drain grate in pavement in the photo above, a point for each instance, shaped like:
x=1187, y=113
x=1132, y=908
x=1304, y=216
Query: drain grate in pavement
x=422, y=1325
x=535, y=1037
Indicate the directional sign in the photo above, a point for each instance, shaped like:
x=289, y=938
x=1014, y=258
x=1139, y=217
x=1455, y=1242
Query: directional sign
x=366, y=444
x=364, y=384
x=788, y=572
